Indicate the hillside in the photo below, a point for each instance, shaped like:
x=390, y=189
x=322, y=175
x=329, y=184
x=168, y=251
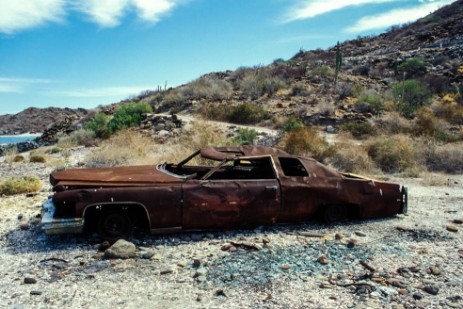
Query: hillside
x=36, y=119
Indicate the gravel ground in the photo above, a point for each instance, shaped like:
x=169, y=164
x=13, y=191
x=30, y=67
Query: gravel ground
x=415, y=260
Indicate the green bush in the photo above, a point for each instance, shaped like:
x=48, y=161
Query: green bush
x=245, y=136
x=412, y=67
x=255, y=86
x=360, y=129
x=247, y=113
x=84, y=137
x=291, y=124
x=370, y=102
x=128, y=115
x=410, y=95
x=24, y=184
x=99, y=125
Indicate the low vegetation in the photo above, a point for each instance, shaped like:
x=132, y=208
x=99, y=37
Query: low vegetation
x=24, y=184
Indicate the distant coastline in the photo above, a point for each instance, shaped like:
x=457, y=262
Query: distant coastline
x=18, y=138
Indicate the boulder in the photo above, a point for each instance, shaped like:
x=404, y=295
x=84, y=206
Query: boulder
x=121, y=249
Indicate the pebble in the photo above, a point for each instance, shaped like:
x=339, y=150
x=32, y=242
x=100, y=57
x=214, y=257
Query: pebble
x=285, y=267
x=452, y=228
x=200, y=272
x=322, y=260
x=435, y=270
x=147, y=255
x=431, y=289
x=28, y=280
x=201, y=279
x=36, y=292
x=196, y=263
x=417, y=296
x=167, y=270
x=360, y=233
x=388, y=291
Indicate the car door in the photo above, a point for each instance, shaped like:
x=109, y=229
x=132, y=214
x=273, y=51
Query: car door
x=234, y=200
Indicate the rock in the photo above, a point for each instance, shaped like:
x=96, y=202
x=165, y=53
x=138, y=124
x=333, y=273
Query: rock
x=201, y=279
x=431, y=289
x=417, y=296
x=200, y=272
x=452, y=228
x=323, y=260
x=36, y=292
x=196, y=263
x=339, y=236
x=20, y=216
x=121, y=249
x=388, y=291
x=167, y=270
x=360, y=233
x=457, y=221
x=285, y=267
x=435, y=270
x=147, y=255
x=28, y=280
x=330, y=129
x=395, y=283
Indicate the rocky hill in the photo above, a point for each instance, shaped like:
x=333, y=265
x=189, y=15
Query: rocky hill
x=36, y=120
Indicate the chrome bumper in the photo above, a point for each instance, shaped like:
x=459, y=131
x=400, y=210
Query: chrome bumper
x=52, y=225
x=404, y=202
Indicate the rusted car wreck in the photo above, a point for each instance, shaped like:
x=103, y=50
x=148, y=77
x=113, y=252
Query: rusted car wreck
x=243, y=187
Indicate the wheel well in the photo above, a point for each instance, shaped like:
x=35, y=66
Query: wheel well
x=136, y=212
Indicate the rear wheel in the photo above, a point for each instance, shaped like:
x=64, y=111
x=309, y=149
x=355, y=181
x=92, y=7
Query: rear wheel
x=114, y=225
x=334, y=213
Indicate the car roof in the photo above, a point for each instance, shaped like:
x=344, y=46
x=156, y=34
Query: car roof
x=235, y=152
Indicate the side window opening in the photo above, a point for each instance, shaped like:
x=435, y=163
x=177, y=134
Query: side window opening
x=246, y=169
x=293, y=167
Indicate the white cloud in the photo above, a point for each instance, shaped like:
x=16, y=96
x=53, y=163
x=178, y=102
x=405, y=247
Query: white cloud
x=311, y=8
x=19, y=85
x=17, y=15
x=397, y=16
x=108, y=13
x=100, y=92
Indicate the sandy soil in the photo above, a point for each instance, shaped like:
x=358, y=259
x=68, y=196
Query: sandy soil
x=416, y=260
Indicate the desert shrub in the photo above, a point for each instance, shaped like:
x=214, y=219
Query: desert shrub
x=37, y=159
x=247, y=113
x=344, y=90
x=324, y=72
x=394, y=123
x=245, y=136
x=446, y=158
x=208, y=88
x=363, y=70
x=360, y=129
x=352, y=158
x=410, y=95
x=394, y=153
x=256, y=85
x=300, y=89
x=128, y=115
x=291, y=123
x=370, y=102
x=99, y=125
x=24, y=184
x=214, y=111
x=326, y=108
x=307, y=142
x=412, y=67
x=426, y=123
x=450, y=111
x=173, y=99
x=18, y=158
x=83, y=137
x=123, y=148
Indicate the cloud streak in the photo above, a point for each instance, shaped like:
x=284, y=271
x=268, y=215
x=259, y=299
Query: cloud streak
x=311, y=8
x=19, y=85
x=20, y=15
x=100, y=92
x=396, y=17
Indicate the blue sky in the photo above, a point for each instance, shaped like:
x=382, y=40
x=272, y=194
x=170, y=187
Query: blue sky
x=83, y=53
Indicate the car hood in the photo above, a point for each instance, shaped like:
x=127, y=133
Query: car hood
x=112, y=176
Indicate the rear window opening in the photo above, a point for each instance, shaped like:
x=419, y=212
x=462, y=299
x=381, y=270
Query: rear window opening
x=293, y=167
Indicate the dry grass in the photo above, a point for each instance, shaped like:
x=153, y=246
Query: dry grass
x=351, y=157
x=10, y=154
x=307, y=142
x=446, y=158
x=24, y=184
x=396, y=153
x=36, y=158
x=394, y=123
x=80, y=137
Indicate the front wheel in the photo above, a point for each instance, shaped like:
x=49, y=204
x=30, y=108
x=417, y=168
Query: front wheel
x=334, y=213
x=114, y=225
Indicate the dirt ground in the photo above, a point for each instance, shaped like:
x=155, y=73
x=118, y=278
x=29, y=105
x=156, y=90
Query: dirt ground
x=415, y=260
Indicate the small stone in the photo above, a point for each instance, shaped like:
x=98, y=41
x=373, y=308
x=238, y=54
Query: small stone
x=20, y=216
x=388, y=291
x=421, y=305
x=147, y=255
x=431, y=289
x=24, y=227
x=403, y=292
x=417, y=296
x=196, y=263
x=29, y=280
x=360, y=233
x=200, y=272
x=233, y=249
x=322, y=260
x=199, y=297
x=457, y=221
x=285, y=267
x=167, y=270
x=182, y=264
x=36, y=292
x=375, y=294
x=265, y=240
x=325, y=286
x=201, y=279
x=339, y=236
x=452, y=228
x=220, y=292
x=121, y=249
x=435, y=270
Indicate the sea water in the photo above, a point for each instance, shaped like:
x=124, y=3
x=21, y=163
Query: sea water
x=13, y=139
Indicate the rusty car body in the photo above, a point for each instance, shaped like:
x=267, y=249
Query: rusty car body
x=246, y=186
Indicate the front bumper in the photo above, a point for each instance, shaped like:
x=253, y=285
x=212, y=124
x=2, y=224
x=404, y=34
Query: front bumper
x=53, y=226
x=404, y=202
